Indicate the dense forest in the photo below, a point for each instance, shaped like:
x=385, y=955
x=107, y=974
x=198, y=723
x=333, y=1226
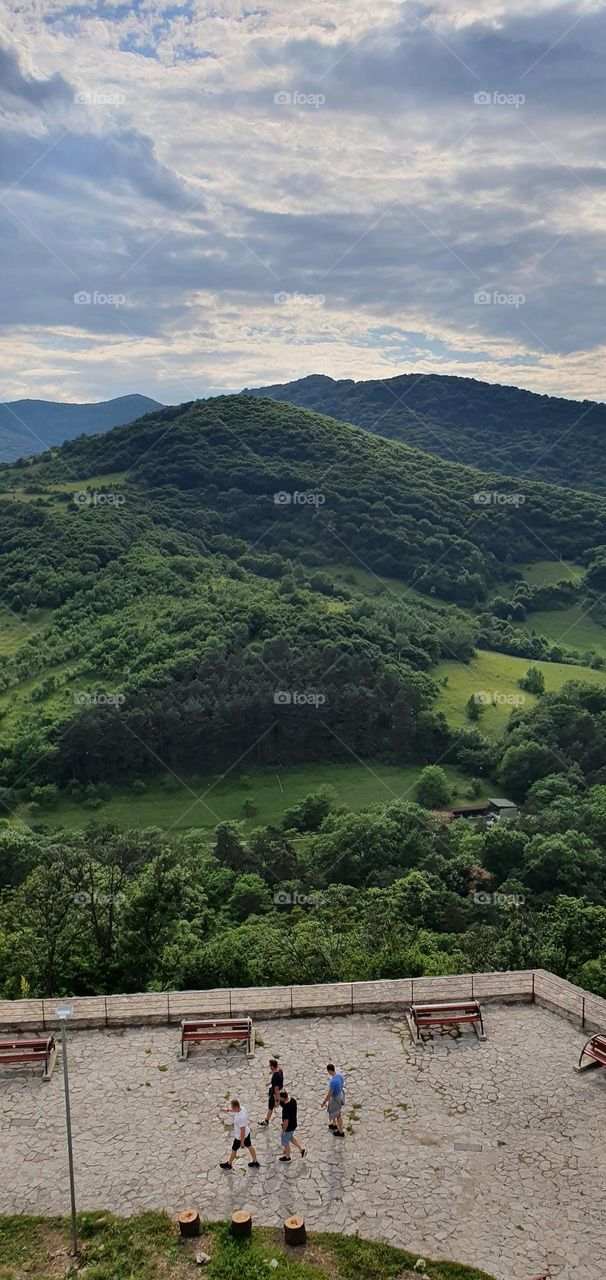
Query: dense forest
x=492, y=427
x=330, y=894
x=183, y=592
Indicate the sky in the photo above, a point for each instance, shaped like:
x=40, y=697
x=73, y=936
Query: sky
x=197, y=197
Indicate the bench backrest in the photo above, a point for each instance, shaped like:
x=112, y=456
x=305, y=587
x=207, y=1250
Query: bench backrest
x=33, y=1047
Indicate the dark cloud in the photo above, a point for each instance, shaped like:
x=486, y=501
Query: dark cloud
x=18, y=90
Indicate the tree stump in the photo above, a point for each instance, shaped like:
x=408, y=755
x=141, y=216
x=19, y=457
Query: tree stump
x=189, y=1223
x=241, y=1224
x=294, y=1230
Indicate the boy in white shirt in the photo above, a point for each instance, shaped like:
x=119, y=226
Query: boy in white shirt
x=241, y=1135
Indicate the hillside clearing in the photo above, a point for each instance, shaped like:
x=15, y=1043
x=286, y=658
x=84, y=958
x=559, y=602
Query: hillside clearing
x=497, y=674
x=205, y=801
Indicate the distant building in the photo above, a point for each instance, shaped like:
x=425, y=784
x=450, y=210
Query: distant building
x=492, y=810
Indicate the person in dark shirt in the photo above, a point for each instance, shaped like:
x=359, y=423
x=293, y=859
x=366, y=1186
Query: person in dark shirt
x=273, y=1098
x=289, y=1124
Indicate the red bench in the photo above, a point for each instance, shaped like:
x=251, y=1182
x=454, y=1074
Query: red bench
x=195, y=1032
x=446, y=1013
x=596, y=1050
x=30, y=1051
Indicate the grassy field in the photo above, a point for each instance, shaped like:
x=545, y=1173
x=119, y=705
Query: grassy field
x=498, y=674
x=573, y=628
x=14, y=632
x=147, y=1248
x=543, y=572
x=170, y=804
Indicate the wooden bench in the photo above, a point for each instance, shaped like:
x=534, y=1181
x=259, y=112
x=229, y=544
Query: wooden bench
x=445, y=1013
x=595, y=1050
x=195, y=1032
x=30, y=1051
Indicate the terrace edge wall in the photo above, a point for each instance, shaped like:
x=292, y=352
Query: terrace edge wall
x=322, y=1000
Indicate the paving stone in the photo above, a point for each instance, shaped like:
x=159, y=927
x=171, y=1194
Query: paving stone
x=491, y=1154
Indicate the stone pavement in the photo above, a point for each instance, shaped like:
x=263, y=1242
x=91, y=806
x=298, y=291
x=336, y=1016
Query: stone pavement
x=491, y=1154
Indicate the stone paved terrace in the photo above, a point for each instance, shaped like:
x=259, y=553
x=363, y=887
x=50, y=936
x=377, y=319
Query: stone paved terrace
x=492, y=1154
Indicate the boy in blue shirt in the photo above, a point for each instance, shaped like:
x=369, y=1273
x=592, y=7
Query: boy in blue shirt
x=334, y=1100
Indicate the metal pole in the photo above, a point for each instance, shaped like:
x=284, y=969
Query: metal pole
x=70, y=1151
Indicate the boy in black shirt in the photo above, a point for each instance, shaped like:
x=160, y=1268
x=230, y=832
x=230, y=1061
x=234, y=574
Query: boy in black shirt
x=273, y=1098
x=289, y=1124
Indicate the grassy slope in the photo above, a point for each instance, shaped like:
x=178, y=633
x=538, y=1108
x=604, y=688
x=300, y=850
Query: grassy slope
x=573, y=628
x=499, y=673
x=147, y=1248
x=356, y=785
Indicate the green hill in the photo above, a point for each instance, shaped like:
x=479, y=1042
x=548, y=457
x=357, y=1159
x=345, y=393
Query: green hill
x=173, y=603
x=488, y=426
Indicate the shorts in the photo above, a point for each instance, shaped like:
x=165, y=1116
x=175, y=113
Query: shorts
x=335, y=1105
x=236, y=1144
x=271, y=1101
x=286, y=1138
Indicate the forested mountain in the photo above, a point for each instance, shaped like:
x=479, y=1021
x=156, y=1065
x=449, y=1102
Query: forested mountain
x=488, y=426
x=182, y=593
x=30, y=426
x=194, y=584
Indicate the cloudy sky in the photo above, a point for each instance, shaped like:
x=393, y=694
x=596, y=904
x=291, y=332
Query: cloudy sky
x=201, y=196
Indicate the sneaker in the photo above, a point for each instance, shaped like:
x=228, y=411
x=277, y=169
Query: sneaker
x=338, y=1134
x=263, y=1124
x=285, y=1159
x=225, y=1164
x=254, y=1164
x=304, y=1151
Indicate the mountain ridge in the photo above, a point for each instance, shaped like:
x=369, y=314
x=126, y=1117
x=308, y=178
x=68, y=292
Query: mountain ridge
x=489, y=426
x=30, y=426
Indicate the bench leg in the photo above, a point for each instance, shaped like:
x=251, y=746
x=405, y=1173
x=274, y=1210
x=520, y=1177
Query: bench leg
x=250, y=1044
x=413, y=1028
x=589, y=1065
x=481, y=1034
x=50, y=1065
x=184, y=1051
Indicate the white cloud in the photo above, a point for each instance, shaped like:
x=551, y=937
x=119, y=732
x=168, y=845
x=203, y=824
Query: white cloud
x=180, y=183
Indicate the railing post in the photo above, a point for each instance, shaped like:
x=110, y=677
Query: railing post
x=168, y=1007
x=583, y=1014
x=230, y=1002
x=43, y=1017
x=106, y=1016
x=352, y=997
x=291, y=1005
x=472, y=986
x=533, y=1000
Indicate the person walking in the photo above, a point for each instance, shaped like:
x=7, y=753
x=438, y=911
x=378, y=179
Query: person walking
x=275, y=1084
x=289, y=1125
x=242, y=1136
x=334, y=1099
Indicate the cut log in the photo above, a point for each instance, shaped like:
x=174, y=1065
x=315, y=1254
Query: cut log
x=294, y=1230
x=241, y=1224
x=189, y=1223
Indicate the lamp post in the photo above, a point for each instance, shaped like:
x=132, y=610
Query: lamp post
x=64, y=1012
